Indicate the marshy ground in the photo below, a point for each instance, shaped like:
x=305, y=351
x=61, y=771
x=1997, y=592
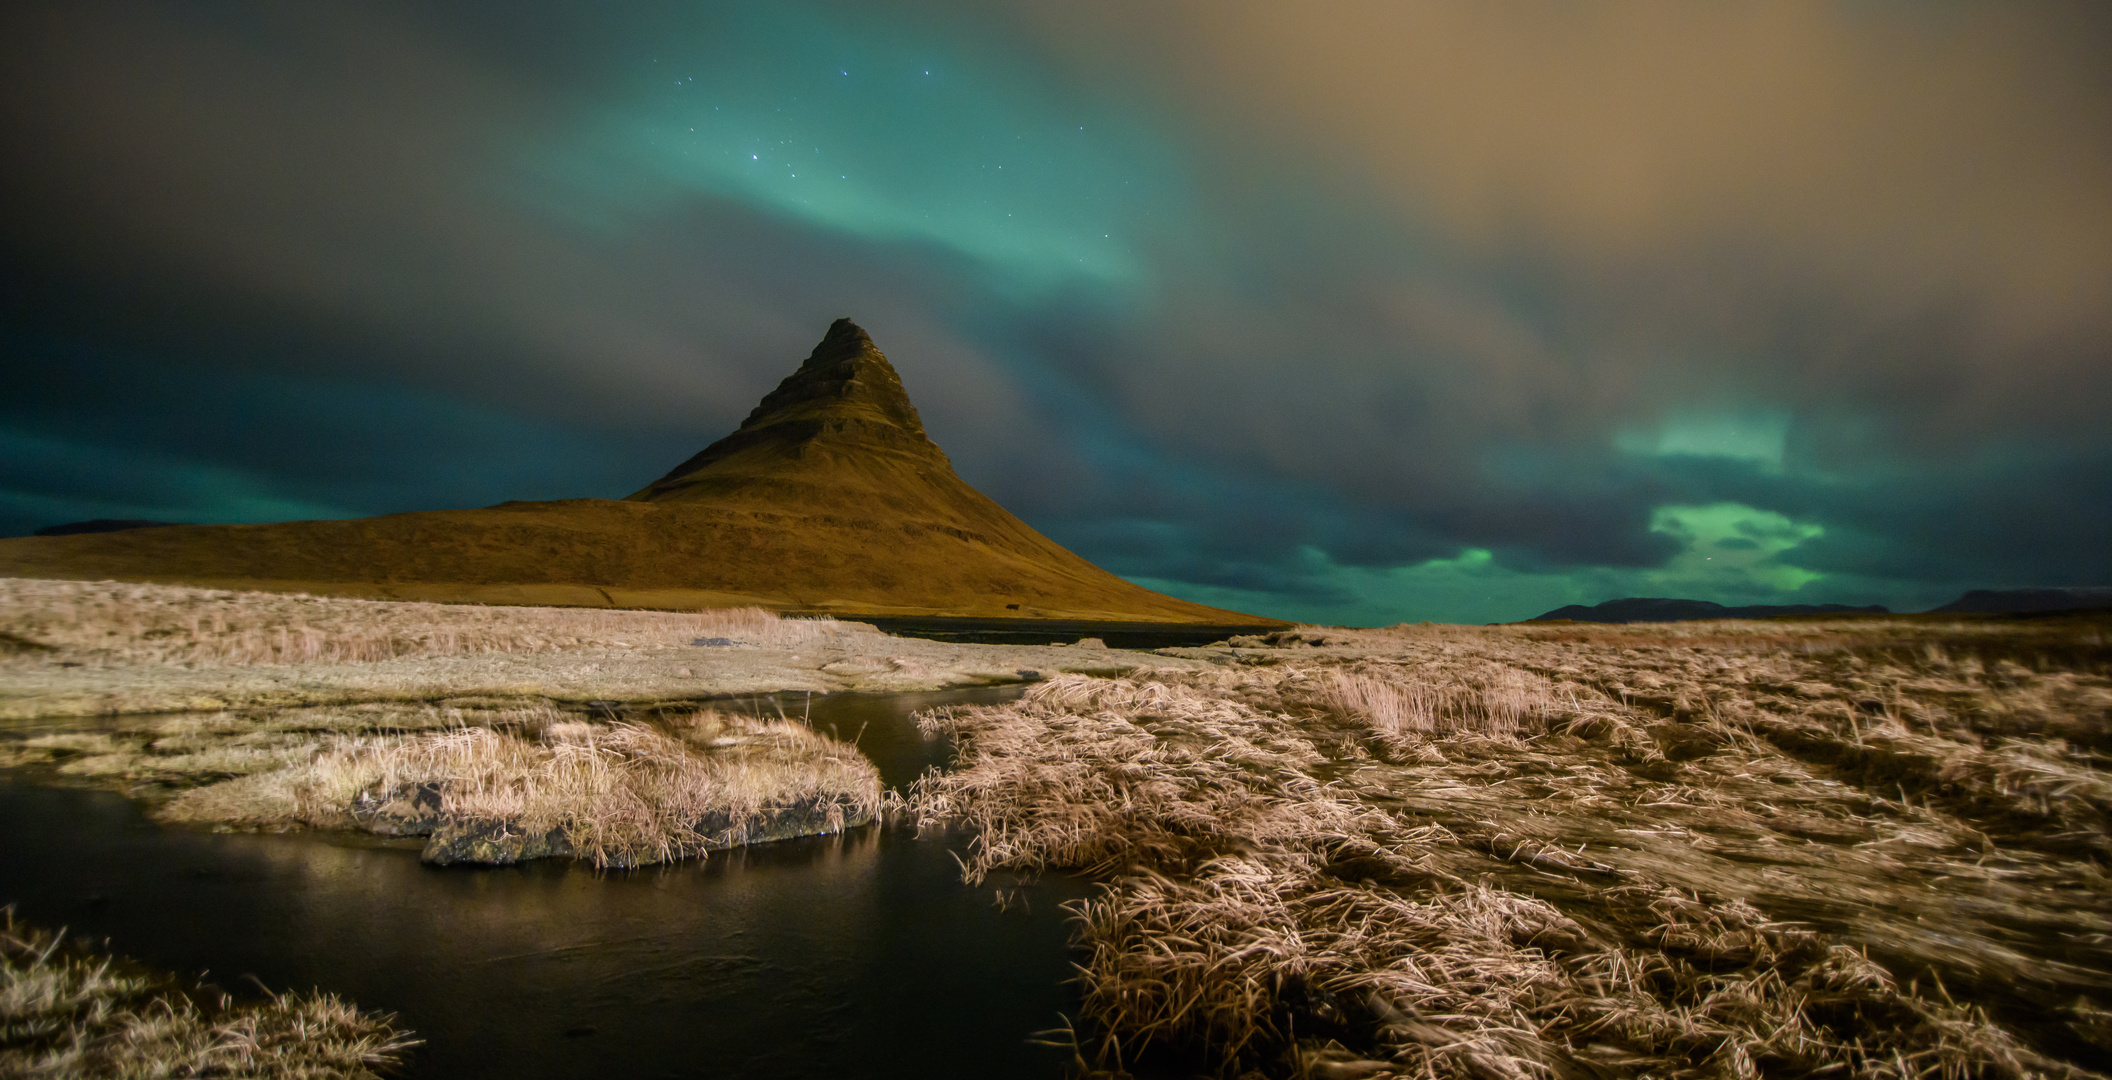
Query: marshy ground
x=1868, y=847
x=502, y=734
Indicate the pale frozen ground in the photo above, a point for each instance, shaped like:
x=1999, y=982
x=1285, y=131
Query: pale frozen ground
x=89, y=648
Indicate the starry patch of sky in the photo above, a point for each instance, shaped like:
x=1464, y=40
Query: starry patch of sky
x=1368, y=313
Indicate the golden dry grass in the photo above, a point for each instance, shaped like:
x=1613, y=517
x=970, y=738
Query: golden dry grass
x=521, y=781
x=149, y=755
x=619, y=794
x=1706, y=850
x=65, y=1012
x=117, y=650
x=116, y=623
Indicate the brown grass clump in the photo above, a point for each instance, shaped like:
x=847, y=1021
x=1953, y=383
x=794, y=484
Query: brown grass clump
x=617, y=794
x=1539, y=852
x=1491, y=699
x=1045, y=784
x=111, y=622
x=66, y=1013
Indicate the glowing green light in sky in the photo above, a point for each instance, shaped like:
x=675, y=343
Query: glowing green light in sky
x=1757, y=436
x=859, y=129
x=1730, y=539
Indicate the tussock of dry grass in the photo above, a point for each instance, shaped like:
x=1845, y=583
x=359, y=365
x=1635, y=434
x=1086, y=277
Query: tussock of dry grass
x=1488, y=698
x=1518, y=853
x=1045, y=784
x=113, y=622
x=65, y=1013
x=618, y=794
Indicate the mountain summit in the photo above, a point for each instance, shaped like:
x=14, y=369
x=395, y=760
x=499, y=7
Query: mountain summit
x=845, y=400
x=828, y=498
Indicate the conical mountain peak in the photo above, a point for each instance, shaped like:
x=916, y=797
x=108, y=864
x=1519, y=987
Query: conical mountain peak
x=829, y=498
x=845, y=398
x=846, y=375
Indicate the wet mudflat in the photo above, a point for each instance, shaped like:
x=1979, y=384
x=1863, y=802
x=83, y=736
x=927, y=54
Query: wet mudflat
x=848, y=955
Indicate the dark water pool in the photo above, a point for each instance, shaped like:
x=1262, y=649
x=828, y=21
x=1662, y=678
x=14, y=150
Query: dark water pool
x=1117, y=635
x=861, y=955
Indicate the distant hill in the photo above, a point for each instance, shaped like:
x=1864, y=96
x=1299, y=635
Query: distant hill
x=1654, y=609
x=829, y=498
x=100, y=525
x=2027, y=601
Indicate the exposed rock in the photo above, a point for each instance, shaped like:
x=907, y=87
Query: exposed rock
x=410, y=810
x=491, y=843
x=484, y=842
x=807, y=817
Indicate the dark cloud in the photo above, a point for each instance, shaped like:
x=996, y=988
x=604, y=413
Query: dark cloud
x=1885, y=149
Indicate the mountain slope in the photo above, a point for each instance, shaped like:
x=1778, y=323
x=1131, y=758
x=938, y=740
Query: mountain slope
x=829, y=497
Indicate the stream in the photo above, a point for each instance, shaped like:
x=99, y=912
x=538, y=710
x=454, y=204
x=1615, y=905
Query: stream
x=855, y=955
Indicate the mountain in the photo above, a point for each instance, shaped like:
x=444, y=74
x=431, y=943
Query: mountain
x=99, y=525
x=1654, y=609
x=2028, y=601
x=828, y=498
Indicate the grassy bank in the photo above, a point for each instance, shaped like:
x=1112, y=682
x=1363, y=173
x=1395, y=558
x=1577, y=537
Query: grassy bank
x=485, y=784
x=1721, y=849
x=66, y=1011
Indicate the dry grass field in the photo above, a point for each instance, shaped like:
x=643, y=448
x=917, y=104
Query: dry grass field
x=117, y=624
x=1868, y=848
x=74, y=650
x=68, y=1012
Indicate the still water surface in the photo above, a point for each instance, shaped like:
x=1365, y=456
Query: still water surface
x=861, y=955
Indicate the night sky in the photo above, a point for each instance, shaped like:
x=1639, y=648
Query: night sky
x=1354, y=313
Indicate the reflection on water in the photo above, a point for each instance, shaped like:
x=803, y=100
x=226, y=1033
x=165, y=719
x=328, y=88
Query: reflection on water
x=859, y=955
x=879, y=723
